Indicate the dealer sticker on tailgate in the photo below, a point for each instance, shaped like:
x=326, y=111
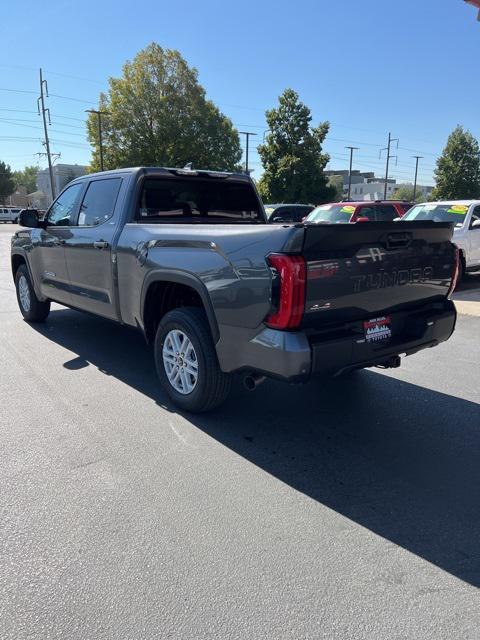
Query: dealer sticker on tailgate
x=377, y=329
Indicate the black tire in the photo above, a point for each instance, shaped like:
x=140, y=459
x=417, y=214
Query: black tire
x=34, y=310
x=212, y=385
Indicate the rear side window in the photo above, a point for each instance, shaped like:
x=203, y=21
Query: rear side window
x=386, y=213
x=198, y=199
x=366, y=212
x=99, y=201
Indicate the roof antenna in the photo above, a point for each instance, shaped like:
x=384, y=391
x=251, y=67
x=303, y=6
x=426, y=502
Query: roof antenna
x=188, y=166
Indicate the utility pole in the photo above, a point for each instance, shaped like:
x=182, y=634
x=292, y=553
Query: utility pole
x=417, y=158
x=99, y=120
x=247, y=135
x=352, y=149
x=387, y=149
x=41, y=107
x=477, y=174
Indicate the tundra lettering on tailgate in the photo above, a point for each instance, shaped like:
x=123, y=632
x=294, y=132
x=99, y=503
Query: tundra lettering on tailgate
x=383, y=279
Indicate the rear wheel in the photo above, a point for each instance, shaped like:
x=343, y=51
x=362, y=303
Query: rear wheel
x=187, y=363
x=33, y=310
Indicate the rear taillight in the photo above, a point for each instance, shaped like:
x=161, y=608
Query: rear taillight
x=456, y=271
x=288, y=291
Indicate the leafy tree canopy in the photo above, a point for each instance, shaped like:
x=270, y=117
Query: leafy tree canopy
x=27, y=178
x=158, y=115
x=7, y=183
x=457, y=173
x=292, y=155
x=405, y=192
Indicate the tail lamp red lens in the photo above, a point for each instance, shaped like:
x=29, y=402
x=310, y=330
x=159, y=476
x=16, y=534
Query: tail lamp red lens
x=289, y=302
x=456, y=272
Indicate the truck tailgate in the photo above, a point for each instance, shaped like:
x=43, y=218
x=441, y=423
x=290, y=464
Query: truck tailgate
x=359, y=271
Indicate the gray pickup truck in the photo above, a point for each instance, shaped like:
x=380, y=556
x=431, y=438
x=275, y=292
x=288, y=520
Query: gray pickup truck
x=188, y=258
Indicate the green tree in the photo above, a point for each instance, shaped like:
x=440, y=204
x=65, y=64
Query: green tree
x=27, y=178
x=457, y=173
x=292, y=155
x=336, y=182
x=7, y=183
x=405, y=192
x=158, y=115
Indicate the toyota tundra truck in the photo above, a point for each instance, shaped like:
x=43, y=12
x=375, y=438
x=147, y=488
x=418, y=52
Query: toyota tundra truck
x=188, y=258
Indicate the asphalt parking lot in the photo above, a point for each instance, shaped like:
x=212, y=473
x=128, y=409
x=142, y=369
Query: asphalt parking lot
x=345, y=509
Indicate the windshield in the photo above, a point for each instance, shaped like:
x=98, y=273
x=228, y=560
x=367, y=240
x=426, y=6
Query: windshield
x=199, y=199
x=331, y=213
x=438, y=212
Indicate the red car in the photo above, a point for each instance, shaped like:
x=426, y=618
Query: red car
x=362, y=211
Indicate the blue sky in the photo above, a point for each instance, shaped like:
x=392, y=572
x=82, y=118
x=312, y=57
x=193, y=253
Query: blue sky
x=409, y=67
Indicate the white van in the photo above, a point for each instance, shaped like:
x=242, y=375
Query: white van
x=9, y=214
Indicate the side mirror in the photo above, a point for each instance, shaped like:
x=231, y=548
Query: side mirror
x=28, y=218
x=476, y=224
x=362, y=219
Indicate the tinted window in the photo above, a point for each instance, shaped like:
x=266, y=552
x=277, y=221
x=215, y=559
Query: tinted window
x=63, y=209
x=366, y=212
x=198, y=199
x=285, y=214
x=99, y=202
x=386, y=212
x=475, y=217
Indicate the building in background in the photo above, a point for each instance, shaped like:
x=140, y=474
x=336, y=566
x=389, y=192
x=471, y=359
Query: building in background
x=62, y=175
x=367, y=186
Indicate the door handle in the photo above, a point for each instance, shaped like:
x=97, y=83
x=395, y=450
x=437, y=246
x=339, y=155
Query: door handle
x=100, y=244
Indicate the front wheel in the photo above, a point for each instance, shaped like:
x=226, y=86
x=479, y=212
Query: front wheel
x=33, y=309
x=187, y=363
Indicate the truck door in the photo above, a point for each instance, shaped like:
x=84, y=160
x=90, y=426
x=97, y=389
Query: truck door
x=88, y=249
x=48, y=254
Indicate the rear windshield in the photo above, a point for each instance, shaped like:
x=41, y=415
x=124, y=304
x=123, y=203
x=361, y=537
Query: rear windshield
x=331, y=213
x=198, y=200
x=438, y=212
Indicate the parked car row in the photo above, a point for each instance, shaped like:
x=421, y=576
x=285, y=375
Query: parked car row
x=465, y=214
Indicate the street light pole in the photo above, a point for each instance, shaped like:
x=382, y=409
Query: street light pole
x=417, y=158
x=99, y=120
x=350, y=170
x=247, y=135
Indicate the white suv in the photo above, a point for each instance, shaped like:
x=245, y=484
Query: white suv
x=466, y=216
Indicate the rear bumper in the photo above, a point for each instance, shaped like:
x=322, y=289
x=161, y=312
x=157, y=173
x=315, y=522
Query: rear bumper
x=411, y=332
x=296, y=356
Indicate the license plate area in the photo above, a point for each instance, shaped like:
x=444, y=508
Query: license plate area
x=377, y=329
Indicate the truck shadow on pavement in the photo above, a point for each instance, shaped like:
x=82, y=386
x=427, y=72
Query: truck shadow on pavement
x=396, y=458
